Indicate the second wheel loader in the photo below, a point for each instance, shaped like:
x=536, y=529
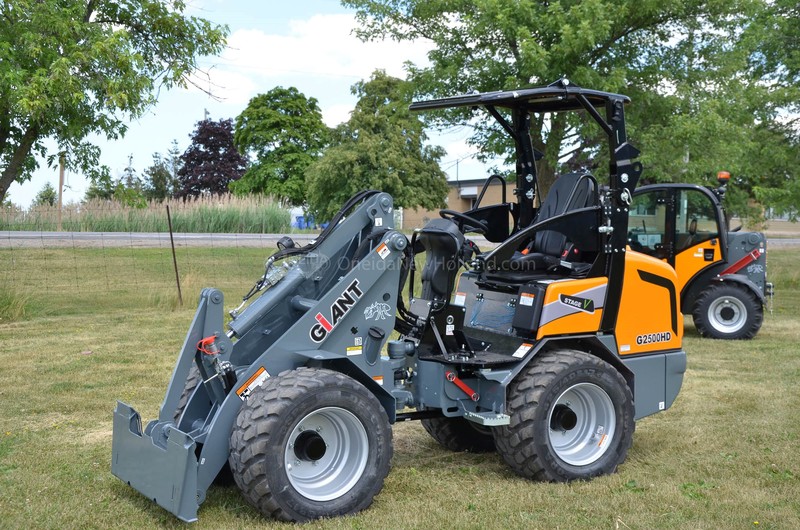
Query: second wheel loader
x=546, y=349
x=722, y=273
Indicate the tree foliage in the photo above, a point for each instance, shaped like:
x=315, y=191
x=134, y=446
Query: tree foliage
x=47, y=195
x=161, y=176
x=381, y=147
x=694, y=69
x=73, y=68
x=158, y=181
x=211, y=162
x=284, y=133
x=775, y=61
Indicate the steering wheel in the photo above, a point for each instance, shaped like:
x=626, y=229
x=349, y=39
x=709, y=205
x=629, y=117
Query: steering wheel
x=465, y=222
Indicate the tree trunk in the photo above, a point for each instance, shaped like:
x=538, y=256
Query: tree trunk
x=14, y=168
x=551, y=147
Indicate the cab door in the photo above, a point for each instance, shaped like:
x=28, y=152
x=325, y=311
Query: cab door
x=697, y=233
x=651, y=224
x=679, y=224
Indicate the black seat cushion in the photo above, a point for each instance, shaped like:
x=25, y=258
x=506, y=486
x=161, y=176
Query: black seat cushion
x=569, y=192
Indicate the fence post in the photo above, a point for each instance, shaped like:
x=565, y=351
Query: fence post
x=61, y=163
x=174, y=259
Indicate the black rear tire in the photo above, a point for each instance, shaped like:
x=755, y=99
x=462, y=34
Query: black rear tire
x=310, y=443
x=192, y=380
x=571, y=418
x=458, y=435
x=727, y=311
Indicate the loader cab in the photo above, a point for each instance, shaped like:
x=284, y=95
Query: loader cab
x=577, y=231
x=681, y=224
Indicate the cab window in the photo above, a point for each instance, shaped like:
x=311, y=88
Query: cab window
x=648, y=227
x=696, y=220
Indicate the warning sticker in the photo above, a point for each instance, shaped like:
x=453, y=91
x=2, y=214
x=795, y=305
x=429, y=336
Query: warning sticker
x=526, y=299
x=378, y=379
x=256, y=380
x=460, y=299
x=353, y=350
x=383, y=251
x=449, y=329
x=379, y=221
x=522, y=350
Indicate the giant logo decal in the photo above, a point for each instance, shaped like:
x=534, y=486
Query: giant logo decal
x=339, y=308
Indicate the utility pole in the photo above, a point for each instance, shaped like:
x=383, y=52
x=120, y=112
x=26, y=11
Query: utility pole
x=61, y=164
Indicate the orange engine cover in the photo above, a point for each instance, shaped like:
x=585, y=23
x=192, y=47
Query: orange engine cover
x=649, y=316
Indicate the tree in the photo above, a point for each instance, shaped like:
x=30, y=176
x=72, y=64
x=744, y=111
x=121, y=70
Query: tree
x=101, y=188
x=673, y=57
x=73, y=68
x=174, y=164
x=284, y=133
x=127, y=190
x=129, y=177
x=381, y=147
x=46, y=196
x=158, y=179
x=211, y=162
x=775, y=60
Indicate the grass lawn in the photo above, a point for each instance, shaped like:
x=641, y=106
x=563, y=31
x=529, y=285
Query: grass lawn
x=724, y=456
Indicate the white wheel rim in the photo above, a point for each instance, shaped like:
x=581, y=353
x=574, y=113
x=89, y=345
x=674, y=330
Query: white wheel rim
x=582, y=423
x=727, y=314
x=326, y=454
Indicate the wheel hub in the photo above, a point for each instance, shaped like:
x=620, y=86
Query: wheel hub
x=309, y=446
x=563, y=418
x=727, y=314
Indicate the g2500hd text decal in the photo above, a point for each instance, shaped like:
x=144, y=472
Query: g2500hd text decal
x=650, y=338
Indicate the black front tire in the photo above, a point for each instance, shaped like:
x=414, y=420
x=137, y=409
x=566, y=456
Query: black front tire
x=572, y=417
x=459, y=435
x=727, y=311
x=310, y=443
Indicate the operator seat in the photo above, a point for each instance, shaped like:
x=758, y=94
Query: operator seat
x=569, y=192
x=442, y=241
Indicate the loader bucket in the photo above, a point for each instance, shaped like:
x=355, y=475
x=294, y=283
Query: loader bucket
x=160, y=462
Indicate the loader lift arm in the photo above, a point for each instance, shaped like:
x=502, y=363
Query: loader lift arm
x=309, y=317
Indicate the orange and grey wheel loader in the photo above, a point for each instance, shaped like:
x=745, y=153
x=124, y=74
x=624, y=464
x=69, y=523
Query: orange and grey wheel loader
x=545, y=349
x=722, y=273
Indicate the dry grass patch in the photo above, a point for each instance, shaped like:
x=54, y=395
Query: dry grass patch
x=208, y=214
x=724, y=456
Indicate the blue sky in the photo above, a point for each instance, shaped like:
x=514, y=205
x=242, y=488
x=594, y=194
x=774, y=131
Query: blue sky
x=305, y=43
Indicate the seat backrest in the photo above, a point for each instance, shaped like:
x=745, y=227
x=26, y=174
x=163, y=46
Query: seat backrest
x=569, y=192
x=442, y=240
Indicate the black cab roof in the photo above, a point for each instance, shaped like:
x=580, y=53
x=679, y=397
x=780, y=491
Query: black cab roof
x=558, y=96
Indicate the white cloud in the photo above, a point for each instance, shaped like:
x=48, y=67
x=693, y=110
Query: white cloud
x=322, y=46
x=321, y=50
x=333, y=115
x=230, y=86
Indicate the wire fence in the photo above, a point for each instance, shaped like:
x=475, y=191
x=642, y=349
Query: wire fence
x=86, y=271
